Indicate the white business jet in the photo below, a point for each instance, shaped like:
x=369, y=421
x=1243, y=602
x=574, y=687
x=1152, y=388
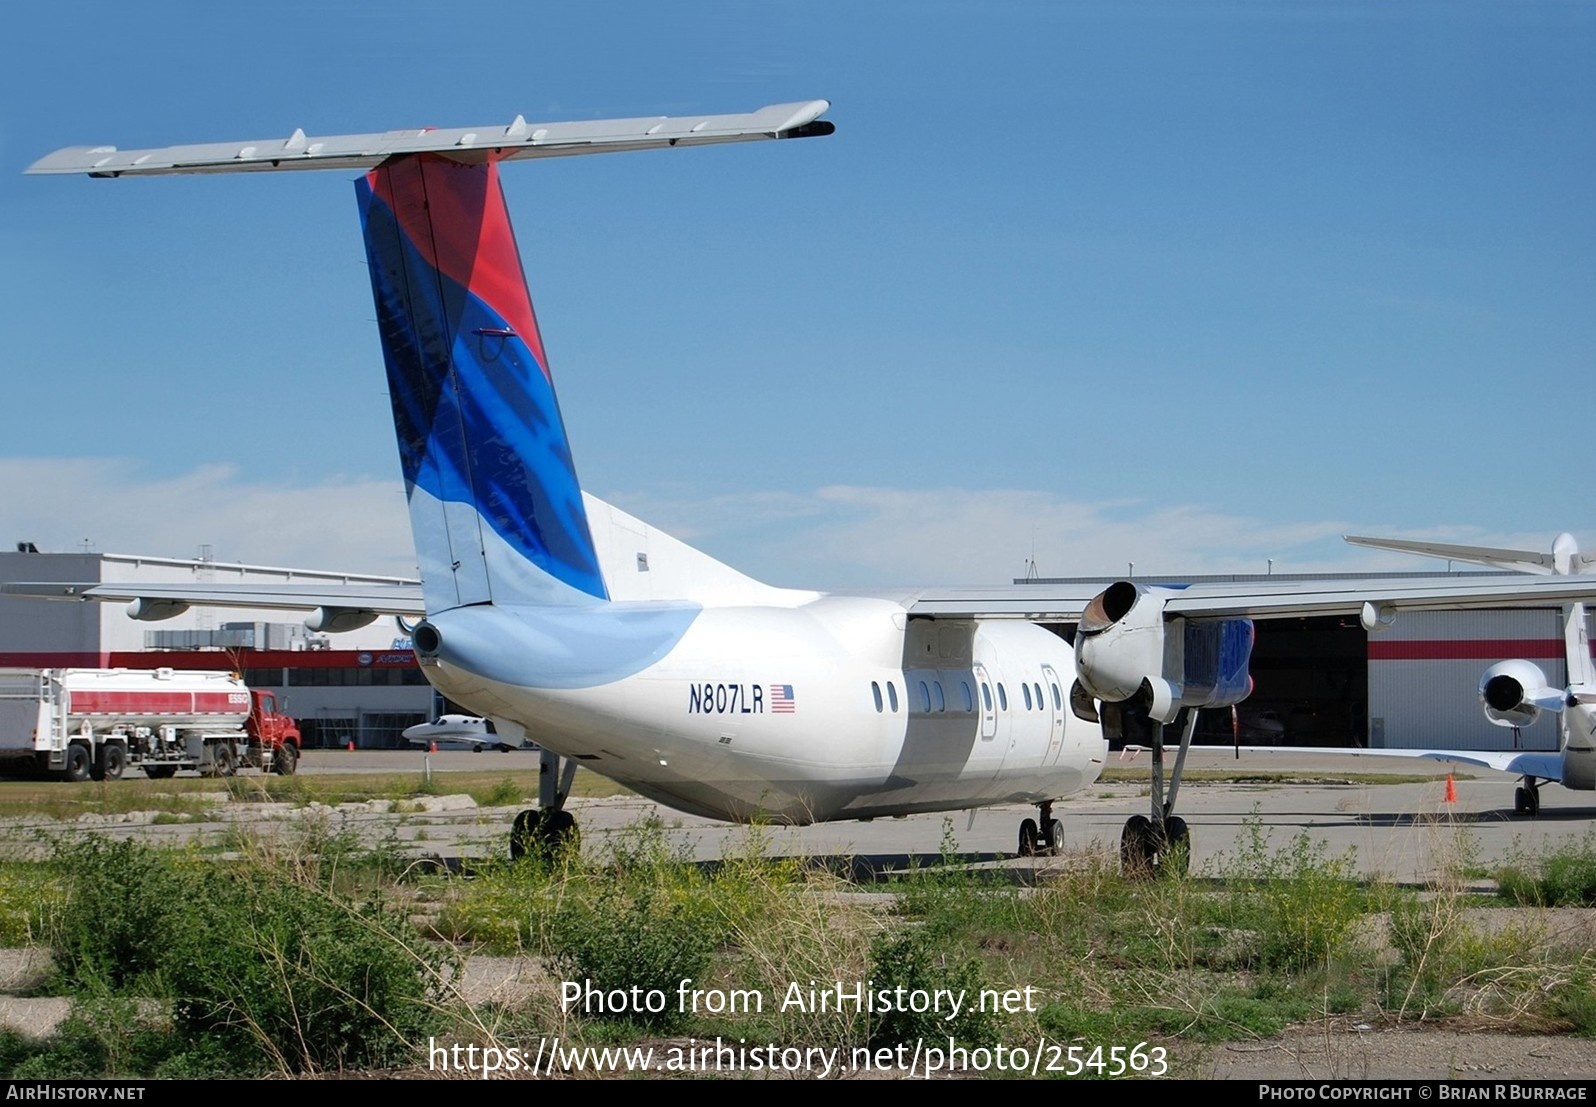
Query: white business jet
x=1514, y=693
x=568, y=622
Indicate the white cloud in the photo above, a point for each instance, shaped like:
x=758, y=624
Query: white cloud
x=848, y=536
x=840, y=536
x=356, y=525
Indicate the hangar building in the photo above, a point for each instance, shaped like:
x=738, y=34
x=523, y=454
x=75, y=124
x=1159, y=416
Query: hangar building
x=361, y=686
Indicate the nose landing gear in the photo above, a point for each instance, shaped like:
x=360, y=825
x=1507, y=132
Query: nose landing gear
x=1044, y=839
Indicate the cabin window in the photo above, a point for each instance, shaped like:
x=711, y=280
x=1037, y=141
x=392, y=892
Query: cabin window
x=1058, y=702
x=1003, y=696
x=925, y=699
x=875, y=690
x=969, y=702
x=1026, y=688
x=892, y=696
x=936, y=688
x=1040, y=702
x=986, y=695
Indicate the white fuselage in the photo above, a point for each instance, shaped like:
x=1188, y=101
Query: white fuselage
x=839, y=708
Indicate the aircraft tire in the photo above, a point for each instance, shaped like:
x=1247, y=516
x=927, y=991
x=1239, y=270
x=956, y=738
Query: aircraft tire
x=1055, y=837
x=1029, y=837
x=524, y=833
x=545, y=833
x=1136, y=847
x=559, y=829
x=160, y=772
x=1174, y=854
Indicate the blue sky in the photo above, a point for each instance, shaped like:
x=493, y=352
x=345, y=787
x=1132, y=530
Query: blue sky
x=1190, y=285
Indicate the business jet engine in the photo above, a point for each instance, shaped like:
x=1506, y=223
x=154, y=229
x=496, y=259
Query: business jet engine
x=1126, y=648
x=1514, y=693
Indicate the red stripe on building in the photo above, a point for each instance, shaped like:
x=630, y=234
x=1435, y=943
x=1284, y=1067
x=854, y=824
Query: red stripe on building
x=1466, y=649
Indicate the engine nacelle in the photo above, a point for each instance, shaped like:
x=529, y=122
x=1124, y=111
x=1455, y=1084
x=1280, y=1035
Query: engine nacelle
x=1514, y=693
x=337, y=620
x=1126, y=648
x=153, y=611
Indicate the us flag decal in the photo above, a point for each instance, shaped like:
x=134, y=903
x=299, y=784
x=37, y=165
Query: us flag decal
x=781, y=699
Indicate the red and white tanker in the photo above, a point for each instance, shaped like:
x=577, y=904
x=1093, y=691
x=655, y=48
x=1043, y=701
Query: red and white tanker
x=83, y=723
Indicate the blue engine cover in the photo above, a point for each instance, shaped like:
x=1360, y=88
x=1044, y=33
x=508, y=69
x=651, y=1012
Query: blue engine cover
x=1217, y=653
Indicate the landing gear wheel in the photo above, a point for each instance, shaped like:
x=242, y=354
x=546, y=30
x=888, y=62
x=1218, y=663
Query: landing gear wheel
x=287, y=760
x=1029, y=838
x=544, y=834
x=1055, y=837
x=1527, y=800
x=524, y=833
x=1174, y=856
x=113, y=759
x=1136, y=847
x=78, y=763
x=559, y=830
x=160, y=772
x=222, y=763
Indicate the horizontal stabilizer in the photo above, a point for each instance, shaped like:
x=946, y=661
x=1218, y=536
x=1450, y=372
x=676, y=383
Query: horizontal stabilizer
x=499, y=142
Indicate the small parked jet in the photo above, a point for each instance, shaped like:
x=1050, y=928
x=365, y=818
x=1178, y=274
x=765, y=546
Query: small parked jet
x=1514, y=693
x=614, y=646
x=457, y=732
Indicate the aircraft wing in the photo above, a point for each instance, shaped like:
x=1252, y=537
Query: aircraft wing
x=1543, y=765
x=1261, y=599
x=334, y=606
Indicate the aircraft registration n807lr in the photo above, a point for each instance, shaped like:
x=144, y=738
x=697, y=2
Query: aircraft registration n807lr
x=612, y=645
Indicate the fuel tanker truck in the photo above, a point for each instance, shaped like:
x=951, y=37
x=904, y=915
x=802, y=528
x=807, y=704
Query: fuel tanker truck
x=96, y=723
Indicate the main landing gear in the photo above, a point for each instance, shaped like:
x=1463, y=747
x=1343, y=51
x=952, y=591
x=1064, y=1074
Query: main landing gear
x=549, y=828
x=1043, y=839
x=1160, y=843
x=1527, y=798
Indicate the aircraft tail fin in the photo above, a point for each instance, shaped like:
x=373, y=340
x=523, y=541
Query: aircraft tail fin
x=1576, y=648
x=495, y=505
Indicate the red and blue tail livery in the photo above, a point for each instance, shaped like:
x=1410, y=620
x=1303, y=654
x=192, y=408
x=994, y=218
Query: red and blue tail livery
x=495, y=505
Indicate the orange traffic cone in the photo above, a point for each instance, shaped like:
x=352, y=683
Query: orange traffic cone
x=432, y=747
x=1451, y=789
x=351, y=745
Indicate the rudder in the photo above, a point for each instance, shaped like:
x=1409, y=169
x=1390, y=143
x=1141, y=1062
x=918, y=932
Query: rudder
x=495, y=505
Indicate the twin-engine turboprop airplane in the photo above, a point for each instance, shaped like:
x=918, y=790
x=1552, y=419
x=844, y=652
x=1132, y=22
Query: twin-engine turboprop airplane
x=1514, y=693
x=612, y=645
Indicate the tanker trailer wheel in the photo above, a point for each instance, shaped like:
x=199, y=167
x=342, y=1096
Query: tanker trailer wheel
x=78, y=762
x=160, y=772
x=222, y=763
x=286, y=760
x=113, y=759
